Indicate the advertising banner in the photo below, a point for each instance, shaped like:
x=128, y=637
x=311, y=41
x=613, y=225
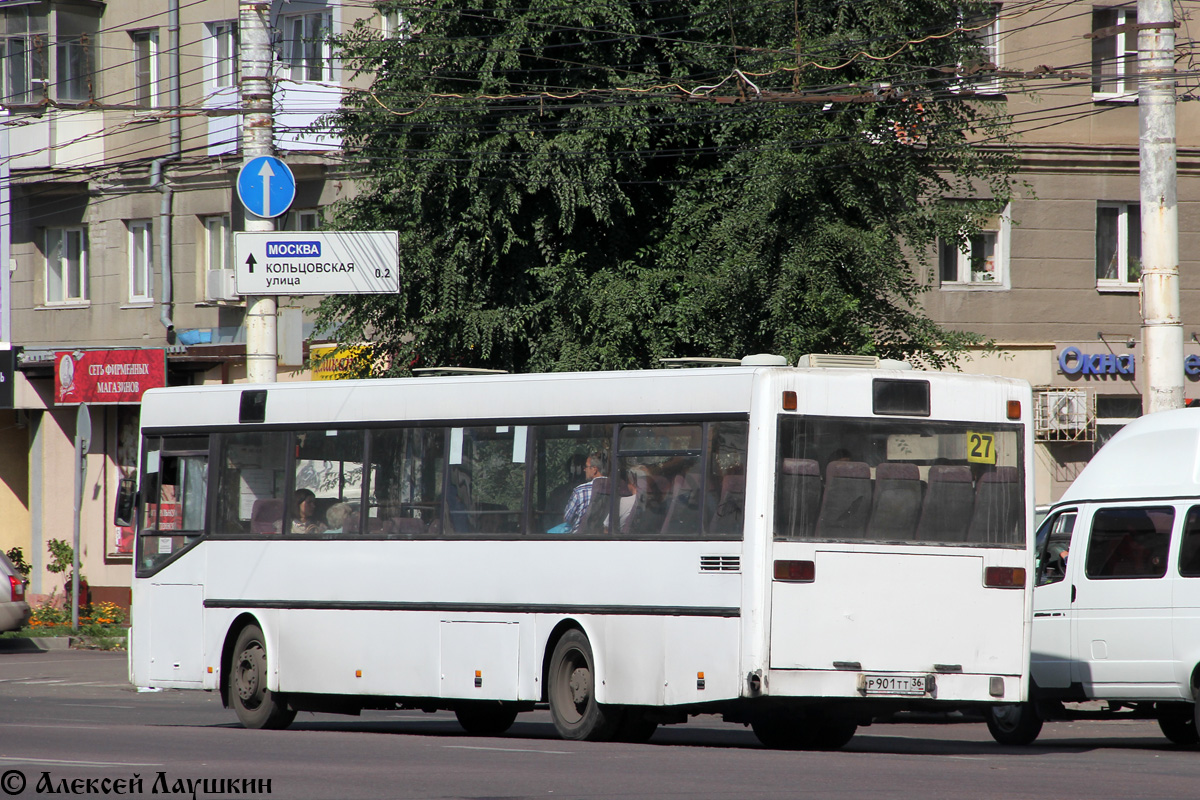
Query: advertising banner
x=107, y=377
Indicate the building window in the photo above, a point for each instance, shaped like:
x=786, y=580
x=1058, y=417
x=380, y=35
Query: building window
x=982, y=260
x=141, y=262
x=222, y=49
x=985, y=30
x=306, y=49
x=307, y=219
x=75, y=54
x=392, y=23
x=66, y=265
x=145, y=68
x=23, y=54
x=217, y=248
x=1118, y=245
x=1114, y=55
x=1114, y=412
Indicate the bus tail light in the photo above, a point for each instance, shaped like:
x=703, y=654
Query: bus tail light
x=1014, y=409
x=1004, y=577
x=796, y=571
x=18, y=588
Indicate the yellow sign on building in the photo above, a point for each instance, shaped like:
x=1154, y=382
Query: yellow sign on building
x=351, y=362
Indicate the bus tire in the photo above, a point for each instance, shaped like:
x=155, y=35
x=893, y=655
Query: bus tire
x=833, y=732
x=486, y=719
x=783, y=731
x=1177, y=721
x=635, y=728
x=570, y=691
x=257, y=707
x=1014, y=723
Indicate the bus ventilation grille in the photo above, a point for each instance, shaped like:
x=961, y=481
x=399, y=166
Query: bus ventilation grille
x=720, y=563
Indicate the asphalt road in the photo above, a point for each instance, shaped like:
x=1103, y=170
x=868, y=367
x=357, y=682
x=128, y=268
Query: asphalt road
x=69, y=717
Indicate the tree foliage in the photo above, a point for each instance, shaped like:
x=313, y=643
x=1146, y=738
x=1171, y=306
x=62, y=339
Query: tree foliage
x=603, y=183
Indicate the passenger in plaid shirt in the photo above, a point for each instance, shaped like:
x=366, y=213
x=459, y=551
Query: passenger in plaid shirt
x=581, y=498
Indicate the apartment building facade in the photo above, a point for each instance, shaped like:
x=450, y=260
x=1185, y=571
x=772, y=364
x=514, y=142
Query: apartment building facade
x=120, y=141
x=1055, y=280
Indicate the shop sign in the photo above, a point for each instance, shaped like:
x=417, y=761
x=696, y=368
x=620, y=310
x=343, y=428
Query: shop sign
x=107, y=376
x=346, y=364
x=1072, y=361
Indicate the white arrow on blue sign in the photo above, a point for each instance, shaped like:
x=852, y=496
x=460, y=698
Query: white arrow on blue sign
x=266, y=186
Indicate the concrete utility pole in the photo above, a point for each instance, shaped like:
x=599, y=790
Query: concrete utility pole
x=258, y=139
x=1162, y=325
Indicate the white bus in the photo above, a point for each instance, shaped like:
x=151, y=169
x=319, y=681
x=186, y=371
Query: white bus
x=799, y=549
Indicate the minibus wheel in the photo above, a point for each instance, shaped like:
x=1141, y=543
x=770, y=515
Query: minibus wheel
x=1177, y=721
x=486, y=719
x=570, y=690
x=1014, y=723
x=256, y=705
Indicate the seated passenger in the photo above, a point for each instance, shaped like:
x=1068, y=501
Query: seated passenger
x=304, y=513
x=595, y=467
x=341, y=515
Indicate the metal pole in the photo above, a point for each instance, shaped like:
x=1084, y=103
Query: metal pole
x=1162, y=325
x=83, y=444
x=258, y=139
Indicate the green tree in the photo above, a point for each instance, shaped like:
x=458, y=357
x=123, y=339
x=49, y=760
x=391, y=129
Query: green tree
x=604, y=183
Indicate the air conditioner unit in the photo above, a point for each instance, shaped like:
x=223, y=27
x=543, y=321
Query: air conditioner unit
x=222, y=285
x=1063, y=410
x=835, y=361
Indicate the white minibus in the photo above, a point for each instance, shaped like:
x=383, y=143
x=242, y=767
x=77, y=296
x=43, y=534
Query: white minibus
x=1116, y=614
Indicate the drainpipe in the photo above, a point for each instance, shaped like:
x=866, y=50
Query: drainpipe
x=156, y=174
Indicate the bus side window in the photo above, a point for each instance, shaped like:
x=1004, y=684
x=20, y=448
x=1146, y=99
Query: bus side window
x=176, y=498
x=250, y=473
x=404, y=497
x=1189, y=547
x=727, y=475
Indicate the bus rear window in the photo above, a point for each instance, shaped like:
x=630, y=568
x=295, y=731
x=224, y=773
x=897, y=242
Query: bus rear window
x=899, y=481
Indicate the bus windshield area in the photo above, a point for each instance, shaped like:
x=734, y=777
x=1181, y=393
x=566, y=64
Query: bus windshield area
x=889, y=480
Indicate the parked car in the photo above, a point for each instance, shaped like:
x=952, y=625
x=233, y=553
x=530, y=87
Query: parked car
x=14, y=611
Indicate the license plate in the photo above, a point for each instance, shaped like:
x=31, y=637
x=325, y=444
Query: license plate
x=894, y=684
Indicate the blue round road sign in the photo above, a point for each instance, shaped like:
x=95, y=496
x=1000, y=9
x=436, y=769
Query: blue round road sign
x=266, y=186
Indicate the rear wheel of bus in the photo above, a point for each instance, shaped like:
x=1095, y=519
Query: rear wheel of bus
x=486, y=719
x=811, y=730
x=256, y=705
x=1014, y=723
x=570, y=690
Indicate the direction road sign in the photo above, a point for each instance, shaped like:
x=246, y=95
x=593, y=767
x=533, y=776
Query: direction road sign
x=266, y=186
x=326, y=262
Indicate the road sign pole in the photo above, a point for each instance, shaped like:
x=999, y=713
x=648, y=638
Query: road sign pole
x=258, y=139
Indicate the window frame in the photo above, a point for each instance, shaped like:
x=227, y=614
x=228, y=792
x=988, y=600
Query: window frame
x=54, y=237
x=1123, y=55
x=221, y=52
x=141, y=260
x=306, y=46
x=963, y=258
x=1122, y=247
x=988, y=36
x=225, y=237
x=32, y=57
x=146, y=79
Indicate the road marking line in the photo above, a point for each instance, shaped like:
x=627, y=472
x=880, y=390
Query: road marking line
x=507, y=749
x=58, y=762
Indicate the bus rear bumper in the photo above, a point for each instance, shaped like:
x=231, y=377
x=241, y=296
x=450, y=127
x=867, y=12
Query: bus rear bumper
x=902, y=687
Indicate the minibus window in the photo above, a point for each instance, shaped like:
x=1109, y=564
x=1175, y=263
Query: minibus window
x=1054, y=542
x=1189, y=548
x=1130, y=542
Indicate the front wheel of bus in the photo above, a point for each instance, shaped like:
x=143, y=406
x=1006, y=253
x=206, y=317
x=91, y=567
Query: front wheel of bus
x=256, y=705
x=1014, y=723
x=571, y=692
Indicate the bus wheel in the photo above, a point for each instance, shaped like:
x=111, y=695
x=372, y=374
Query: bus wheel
x=486, y=719
x=1178, y=722
x=570, y=690
x=255, y=704
x=783, y=731
x=833, y=733
x=634, y=727
x=1014, y=723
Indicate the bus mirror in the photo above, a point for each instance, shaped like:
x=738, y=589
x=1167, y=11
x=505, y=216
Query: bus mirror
x=126, y=501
